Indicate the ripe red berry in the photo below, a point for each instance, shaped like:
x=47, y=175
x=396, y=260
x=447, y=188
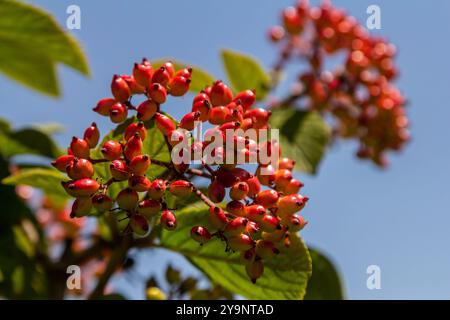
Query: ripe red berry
x=142, y=73
x=246, y=99
x=161, y=76
x=293, y=187
x=103, y=106
x=254, y=186
x=266, y=175
x=81, y=188
x=133, y=147
x=239, y=191
x=118, y=113
x=175, y=137
x=255, y=212
x=236, y=208
x=282, y=178
x=267, y=198
x=170, y=68
x=259, y=116
x=202, y=96
x=92, y=135
x=266, y=249
x=296, y=223
x=252, y=228
x=127, y=199
x=181, y=188
x=157, y=93
x=134, y=127
x=164, y=124
x=254, y=269
x=135, y=88
x=219, y=115
x=188, y=121
x=217, y=218
x=203, y=107
x=81, y=207
x=227, y=177
x=168, y=220
x=102, y=202
x=139, y=224
x=220, y=94
x=216, y=191
x=293, y=22
x=62, y=162
x=146, y=110
x=149, y=207
x=185, y=72
x=179, y=85
x=119, y=170
x=80, y=168
x=80, y=148
x=157, y=189
x=200, y=234
x=139, y=183
x=139, y=164
x=269, y=223
x=290, y=204
x=241, y=242
x=235, y=227
x=120, y=89
x=286, y=163
x=111, y=150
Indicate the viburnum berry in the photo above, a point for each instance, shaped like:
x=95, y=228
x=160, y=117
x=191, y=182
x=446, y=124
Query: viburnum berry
x=265, y=175
x=146, y=110
x=127, y=199
x=200, y=234
x=220, y=94
x=290, y=204
x=267, y=198
x=157, y=189
x=81, y=207
x=92, y=135
x=139, y=183
x=252, y=228
x=119, y=170
x=203, y=107
x=219, y=115
x=111, y=150
x=246, y=99
x=296, y=223
x=135, y=88
x=168, y=220
x=254, y=269
x=80, y=148
x=282, y=178
x=181, y=188
x=235, y=227
x=241, y=242
x=133, y=147
x=292, y=187
x=139, y=164
x=157, y=92
x=80, y=168
x=149, y=207
x=266, y=249
x=102, y=202
x=255, y=212
x=62, y=162
x=81, y=188
x=216, y=191
x=139, y=224
x=179, y=85
x=217, y=218
x=142, y=73
x=161, y=76
x=164, y=124
x=135, y=127
x=254, y=186
x=292, y=20
x=104, y=106
x=188, y=121
x=269, y=223
x=120, y=89
x=239, y=191
x=236, y=208
x=118, y=113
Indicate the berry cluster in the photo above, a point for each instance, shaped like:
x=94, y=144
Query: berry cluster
x=361, y=96
x=255, y=222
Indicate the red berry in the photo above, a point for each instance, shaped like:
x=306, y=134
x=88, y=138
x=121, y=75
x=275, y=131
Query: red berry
x=104, y=105
x=146, y=110
x=133, y=147
x=267, y=198
x=161, y=76
x=200, y=234
x=168, y=220
x=293, y=22
x=157, y=93
x=143, y=72
x=164, y=124
x=92, y=135
x=220, y=94
x=203, y=107
x=227, y=177
x=219, y=115
x=202, y=96
x=286, y=163
x=235, y=227
x=81, y=207
x=296, y=223
x=181, y=188
x=135, y=88
x=111, y=150
x=149, y=207
x=156, y=190
x=118, y=113
x=119, y=170
x=269, y=223
x=216, y=191
x=276, y=33
x=139, y=224
x=120, y=89
x=255, y=212
x=139, y=183
x=288, y=205
x=259, y=116
x=81, y=188
x=239, y=191
x=127, y=199
x=139, y=164
x=134, y=127
x=80, y=148
x=241, y=242
x=175, y=137
x=80, y=168
x=254, y=186
x=102, y=202
x=217, y=218
x=62, y=162
x=252, y=228
x=236, y=208
x=266, y=249
x=170, y=68
x=266, y=175
x=246, y=99
x=293, y=187
x=188, y=121
x=185, y=72
x=179, y=85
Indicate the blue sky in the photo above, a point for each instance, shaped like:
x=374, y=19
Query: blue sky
x=397, y=218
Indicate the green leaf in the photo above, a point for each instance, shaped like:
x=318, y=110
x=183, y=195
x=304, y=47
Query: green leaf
x=304, y=136
x=32, y=44
x=48, y=180
x=325, y=282
x=284, y=277
x=245, y=72
x=200, y=78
